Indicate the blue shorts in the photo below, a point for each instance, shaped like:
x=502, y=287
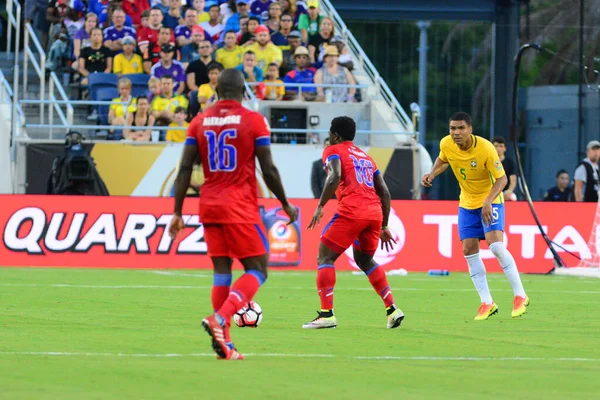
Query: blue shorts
x=470, y=224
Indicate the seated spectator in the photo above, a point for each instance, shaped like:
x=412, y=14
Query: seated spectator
x=213, y=28
x=113, y=34
x=248, y=38
x=205, y=50
x=107, y=20
x=164, y=105
x=168, y=66
x=310, y=23
x=82, y=37
x=177, y=135
x=173, y=16
x=345, y=59
x=199, y=6
x=142, y=120
x=230, y=55
x=274, y=17
x=293, y=8
x=301, y=74
x=562, y=191
x=152, y=55
x=233, y=22
x=243, y=29
x=260, y=8
x=95, y=58
x=227, y=10
x=280, y=38
x=197, y=75
x=56, y=13
x=58, y=56
x=73, y=22
x=183, y=33
x=144, y=20
x=266, y=52
x=148, y=37
x=249, y=69
x=208, y=90
x=322, y=39
x=274, y=92
x=190, y=52
x=153, y=88
x=333, y=73
x=118, y=114
x=100, y=8
x=135, y=9
x=289, y=61
x=128, y=62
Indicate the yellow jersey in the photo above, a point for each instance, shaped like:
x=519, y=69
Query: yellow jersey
x=204, y=17
x=205, y=90
x=121, y=65
x=266, y=56
x=176, y=135
x=119, y=109
x=272, y=92
x=476, y=170
x=160, y=103
x=229, y=58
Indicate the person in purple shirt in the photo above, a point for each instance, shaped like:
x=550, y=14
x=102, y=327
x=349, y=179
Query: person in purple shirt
x=113, y=34
x=301, y=74
x=167, y=66
x=260, y=8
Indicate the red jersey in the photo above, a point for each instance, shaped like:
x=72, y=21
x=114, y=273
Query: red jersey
x=356, y=193
x=150, y=35
x=227, y=135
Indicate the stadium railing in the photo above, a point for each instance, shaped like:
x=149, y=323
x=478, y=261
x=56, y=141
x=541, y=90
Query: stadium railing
x=66, y=120
x=38, y=66
x=299, y=86
x=13, y=11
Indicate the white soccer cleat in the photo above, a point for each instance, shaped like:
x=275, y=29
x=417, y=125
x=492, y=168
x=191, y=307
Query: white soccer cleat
x=395, y=319
x=323, y=321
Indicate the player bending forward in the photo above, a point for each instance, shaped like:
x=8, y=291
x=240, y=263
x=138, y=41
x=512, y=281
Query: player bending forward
x=361, y=220
x=481, y=177
x=228, y=137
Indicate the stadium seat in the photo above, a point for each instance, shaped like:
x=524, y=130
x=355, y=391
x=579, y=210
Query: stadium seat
x=137, y=79
x=139, y=90
x=105, y=94
x=100, y=81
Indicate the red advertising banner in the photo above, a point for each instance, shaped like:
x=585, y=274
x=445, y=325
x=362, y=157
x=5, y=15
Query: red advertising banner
x=130, y=232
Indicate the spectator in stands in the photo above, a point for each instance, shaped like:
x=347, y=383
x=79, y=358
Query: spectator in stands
x=197, y=75
x=95, y=58
x=113, y=34
x=586, y=175
x=199, y=6
x=168, y=66
x=318, y=175
x=82, y=37
x=173, y=16
x=205, y=50
x=230, y=55
x=163, y=6
x=148, y=37
x=213, y=28
x=178, y=135
x=35, y=14
x=135, y=9
x=73, y=22
x=152, y=55
x=153, y=88
x=55, y=14
x=301, y=74
x=128, y=62
x=142, y=119
x=163, y=106
x=562, y=191
x=509, y=168
x=100, y=8
x=243, y=28
x=183, y=33
x=118, y=114
x=274, y=92
x=107, y=20
x=227, y=10
x=233, y=22
x=208, y=90
x=191, y=52
x=294, y=41
x=280, y=38
x=266, y=52
x=309, y=24
x=319, y=41
x=144, y=20
x=58, y=56
x=333, y=73
x=274, y=17
x=260, y=8
x=249, y=37
x=293, y=8
x=249, y=69
x=345, y=59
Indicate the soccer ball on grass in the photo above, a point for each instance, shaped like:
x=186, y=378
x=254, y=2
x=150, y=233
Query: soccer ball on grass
x=248, y=316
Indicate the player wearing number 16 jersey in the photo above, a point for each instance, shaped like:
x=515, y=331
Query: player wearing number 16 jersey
x=361, y=221
x=481, y=177
x=227, y=138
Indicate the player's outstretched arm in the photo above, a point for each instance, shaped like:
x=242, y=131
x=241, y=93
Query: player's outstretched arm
x=182, y=183
x=384, y=195
x=273, y=180
x=438, y=168
x=334, y=175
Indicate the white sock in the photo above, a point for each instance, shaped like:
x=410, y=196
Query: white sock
x=477, y=271
x=507, y=262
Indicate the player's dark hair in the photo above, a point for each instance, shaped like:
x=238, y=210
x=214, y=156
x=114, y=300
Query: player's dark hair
x=214, y=6
x=214, y=65
x=157, y=8
x=461, y=116
x=254, y=19
x=499, y=139
x=273, y=65
x=344, y=126
x=168, y=76
x=249, y=52
x=142, y=97
x=231, y=85
x=560, y=172
x=164, y=27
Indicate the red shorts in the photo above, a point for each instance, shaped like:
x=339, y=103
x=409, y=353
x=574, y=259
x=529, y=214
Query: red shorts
x=236, y=240
x=342, y=231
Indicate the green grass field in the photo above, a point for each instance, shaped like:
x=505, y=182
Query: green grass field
x=134, y=334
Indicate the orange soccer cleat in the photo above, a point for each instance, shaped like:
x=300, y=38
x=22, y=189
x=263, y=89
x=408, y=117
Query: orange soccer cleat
x=485, y=311
x=520, y=306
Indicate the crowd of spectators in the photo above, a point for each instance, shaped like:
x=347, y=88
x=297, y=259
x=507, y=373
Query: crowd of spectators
x=182, y=45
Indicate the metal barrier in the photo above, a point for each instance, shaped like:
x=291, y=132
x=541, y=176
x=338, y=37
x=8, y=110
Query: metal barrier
x=40, y=67
x=366, y=65
x=68, y=120
x=308, y=85
x=250, y=98
x=13, y=11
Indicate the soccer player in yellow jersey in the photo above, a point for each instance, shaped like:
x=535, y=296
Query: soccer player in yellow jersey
x=481, y=177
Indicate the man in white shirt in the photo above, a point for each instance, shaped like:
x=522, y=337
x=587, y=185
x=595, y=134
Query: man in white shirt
x=586, y=175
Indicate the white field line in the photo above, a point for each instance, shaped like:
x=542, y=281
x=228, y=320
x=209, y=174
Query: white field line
x=283, y=355
x=181, y=274
x=190, y=287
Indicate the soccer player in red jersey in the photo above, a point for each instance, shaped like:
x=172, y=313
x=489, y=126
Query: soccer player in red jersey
x=361, y=221
x=227, y=137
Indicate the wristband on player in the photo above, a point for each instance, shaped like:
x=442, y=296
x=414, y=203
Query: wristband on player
x=384, y=227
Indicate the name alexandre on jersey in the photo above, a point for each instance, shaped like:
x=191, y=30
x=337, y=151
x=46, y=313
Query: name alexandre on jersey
x=356, y=152
x=220, y=121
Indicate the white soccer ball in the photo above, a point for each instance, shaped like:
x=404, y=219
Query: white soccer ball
x=249, y=316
